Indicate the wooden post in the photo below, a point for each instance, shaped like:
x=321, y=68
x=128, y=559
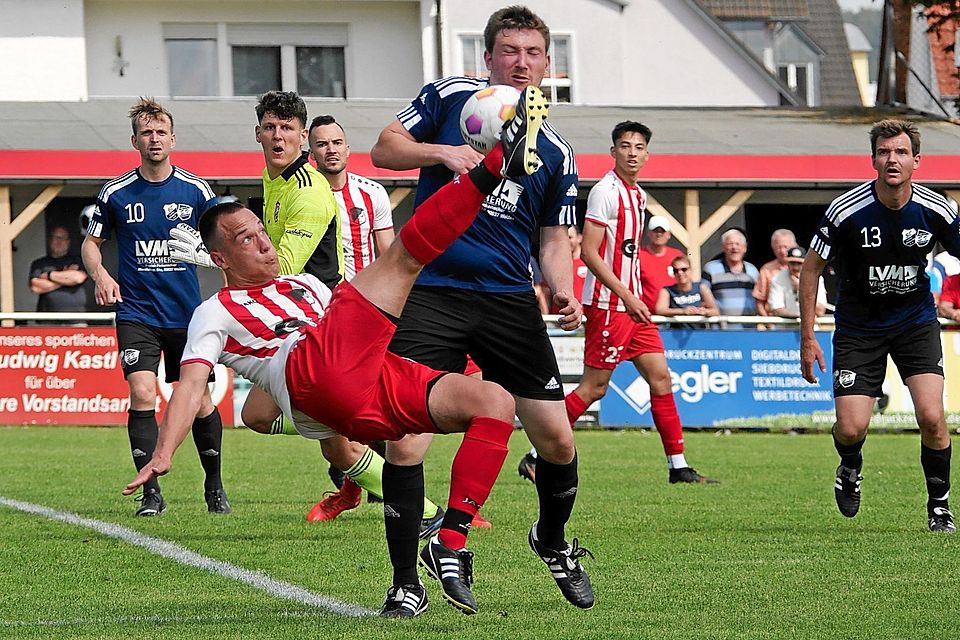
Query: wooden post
x=10, y=228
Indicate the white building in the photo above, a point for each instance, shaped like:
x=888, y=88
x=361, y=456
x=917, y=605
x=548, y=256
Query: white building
x=604, y=52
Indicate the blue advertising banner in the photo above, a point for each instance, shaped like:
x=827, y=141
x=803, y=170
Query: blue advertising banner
x=724, y=377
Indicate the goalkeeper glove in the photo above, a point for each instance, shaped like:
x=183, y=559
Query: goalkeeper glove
x=185, y=245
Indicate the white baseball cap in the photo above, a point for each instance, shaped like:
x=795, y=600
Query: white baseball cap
x=658, y=222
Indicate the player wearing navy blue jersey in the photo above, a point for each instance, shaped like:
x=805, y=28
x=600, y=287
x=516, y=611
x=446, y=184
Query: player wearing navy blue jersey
x=478, y=298
x=155, y=295
x=878, y=236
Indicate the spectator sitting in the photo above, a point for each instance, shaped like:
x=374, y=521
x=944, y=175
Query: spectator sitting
x=687, y=297
x=655, y=260
x=730, y=278
x=58, y=278
x=784, y=298
x=949, y=305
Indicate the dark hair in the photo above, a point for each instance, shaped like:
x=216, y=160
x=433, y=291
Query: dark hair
x=322, y=121
x=208, y=222
x=892, y=128
x=147, y=108
x=629, y=126
x=514, y=17
x=283, y=104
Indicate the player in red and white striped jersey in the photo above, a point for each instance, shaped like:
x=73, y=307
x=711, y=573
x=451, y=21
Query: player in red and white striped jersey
x=326, y=357
x=366, y=215
x=618, y=322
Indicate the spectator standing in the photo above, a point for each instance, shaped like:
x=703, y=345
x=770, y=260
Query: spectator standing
x=58, y=278
x=781, y=241
x=656, y=260
x=731, y=278
x=155, y=295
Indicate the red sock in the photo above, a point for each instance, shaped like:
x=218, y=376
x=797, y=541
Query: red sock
x=575, y=407
x=448, y=213
x=475, y=469
x=667, y=420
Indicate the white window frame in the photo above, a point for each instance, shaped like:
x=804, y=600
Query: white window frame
x=792, y=78
x=549, y=84
x=286, y=36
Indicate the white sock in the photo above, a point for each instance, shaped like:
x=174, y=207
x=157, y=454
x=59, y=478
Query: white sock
x=676, y=461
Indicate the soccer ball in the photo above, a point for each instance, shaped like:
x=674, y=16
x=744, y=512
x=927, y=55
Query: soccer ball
x=484, y=114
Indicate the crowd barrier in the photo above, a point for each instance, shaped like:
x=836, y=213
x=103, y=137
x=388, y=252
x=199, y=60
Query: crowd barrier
x=726, y=372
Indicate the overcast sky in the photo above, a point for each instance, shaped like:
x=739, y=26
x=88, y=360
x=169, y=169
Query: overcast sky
x=854, y=5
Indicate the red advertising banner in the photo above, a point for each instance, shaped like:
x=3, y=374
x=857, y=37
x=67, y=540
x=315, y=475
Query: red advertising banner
x=71, y=375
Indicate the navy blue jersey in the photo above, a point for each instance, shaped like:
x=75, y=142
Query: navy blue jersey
x=156, y=290
x=881, y=255
x=494, y=254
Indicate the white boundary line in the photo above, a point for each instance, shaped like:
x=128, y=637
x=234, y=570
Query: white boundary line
x=186, y=557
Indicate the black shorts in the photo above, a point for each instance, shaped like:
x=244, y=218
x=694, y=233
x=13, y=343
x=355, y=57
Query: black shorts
x=504, y=333
x=141, y=346
x=860, y=362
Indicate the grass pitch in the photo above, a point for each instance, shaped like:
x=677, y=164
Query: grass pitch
x=765, y=554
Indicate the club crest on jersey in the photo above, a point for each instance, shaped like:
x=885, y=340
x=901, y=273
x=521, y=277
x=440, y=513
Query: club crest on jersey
x=629, y=248
x=130, y=357
x=358, y=215
x=175, y=211
x=844, y=378
x=916, y=237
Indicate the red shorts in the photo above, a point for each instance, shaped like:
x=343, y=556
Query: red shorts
x=341, y=374
x=613, y=337
x=471, y=368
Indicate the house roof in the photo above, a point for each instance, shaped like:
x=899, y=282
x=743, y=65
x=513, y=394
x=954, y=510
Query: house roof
x=743, y=147
x=758, y=9
x=822, y=21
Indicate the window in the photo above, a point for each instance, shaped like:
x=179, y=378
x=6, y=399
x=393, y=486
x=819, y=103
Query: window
x=557, y=84
x=192, y=65
x=250, y=59
x=256, y=70
x=797, y=77
x=321, y=72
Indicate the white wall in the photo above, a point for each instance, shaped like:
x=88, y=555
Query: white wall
x=650, y=53
x=383, y=57
x=42, y=49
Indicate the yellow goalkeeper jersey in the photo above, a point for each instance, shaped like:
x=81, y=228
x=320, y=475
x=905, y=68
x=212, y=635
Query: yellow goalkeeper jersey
x=301, y=217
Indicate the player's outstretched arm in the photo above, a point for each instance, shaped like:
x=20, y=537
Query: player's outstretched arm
x=397, y=149
x=177, y=422
x=810, y=351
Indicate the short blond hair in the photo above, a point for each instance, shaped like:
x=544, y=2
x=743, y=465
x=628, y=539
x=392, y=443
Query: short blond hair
x=147, y=108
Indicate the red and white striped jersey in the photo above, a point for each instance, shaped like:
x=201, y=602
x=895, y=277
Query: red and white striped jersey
x=252, y=330
x=364, y=209
x=619, y=209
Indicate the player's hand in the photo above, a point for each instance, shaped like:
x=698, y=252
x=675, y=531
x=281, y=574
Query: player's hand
x=571, y=311
x=637, y=310
x=156, y=467
x=107, y=290
x=462, y=158
x=810, y=353
x=186, y=245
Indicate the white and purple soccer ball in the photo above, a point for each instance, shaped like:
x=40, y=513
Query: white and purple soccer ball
x=484, y=114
